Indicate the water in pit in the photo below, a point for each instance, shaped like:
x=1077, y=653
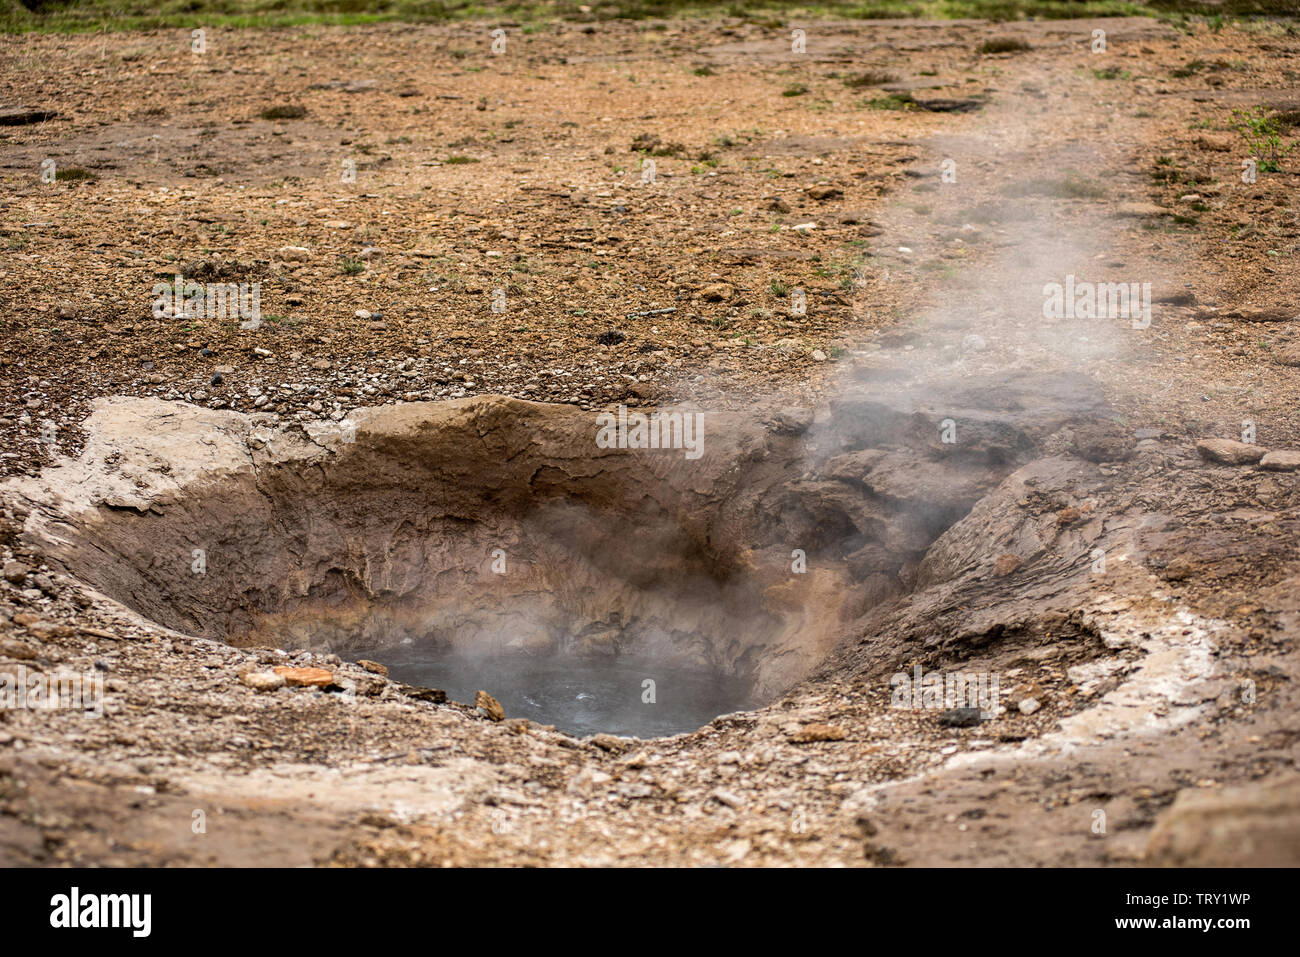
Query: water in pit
x=579, y=696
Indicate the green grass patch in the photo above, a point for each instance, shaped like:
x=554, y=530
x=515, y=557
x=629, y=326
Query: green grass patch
x=99, y=16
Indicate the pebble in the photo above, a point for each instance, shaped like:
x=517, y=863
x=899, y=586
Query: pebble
x=263, y=680
x=1029, y=706
x=960, y=718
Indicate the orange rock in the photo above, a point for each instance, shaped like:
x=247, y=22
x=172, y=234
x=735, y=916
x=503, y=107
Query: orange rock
x=817, y=732
x=305, y=677
x=1006, y=564
x=489, y=705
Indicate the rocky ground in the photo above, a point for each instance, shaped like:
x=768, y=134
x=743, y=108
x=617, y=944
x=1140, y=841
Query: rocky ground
x=1162, y=727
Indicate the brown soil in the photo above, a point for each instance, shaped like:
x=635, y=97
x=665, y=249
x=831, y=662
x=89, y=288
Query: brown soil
x=1173, y=670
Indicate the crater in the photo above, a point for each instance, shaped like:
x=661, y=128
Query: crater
x=492, y=543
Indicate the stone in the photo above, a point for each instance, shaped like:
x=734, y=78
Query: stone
x=1139, y=210
x=1029, y=706
x=1229, y=451
x=1281, y=460
x=717, y=292
x=489, y=706
x=374, y=667
x=817, y=732
x=728, y=798
x=960, y=718
x=611, y=743
x=825, y=192
x=15, y=572
x=305, y=677
x=295, y=253
x=17, y=649
x=263, y=680
x=1255, y=825
x=1006, y=563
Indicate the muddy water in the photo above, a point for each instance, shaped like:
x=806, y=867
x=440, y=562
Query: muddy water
x=579, y=696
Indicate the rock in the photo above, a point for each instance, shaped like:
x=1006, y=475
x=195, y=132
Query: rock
x=1229, y=451
x=1288, y=355
x=1281, y=460
x=321, y=365
x=817, y=732
x=305, y=677
x=825, y=192
x=960, y=718
x=1256, y=825
x=431, y=695
x=15, y=572
x=295, y=253
x=611, y=743
x=263, y=680
x=1006, y=563
x=1278, y=314
x=17, y=650
x=819, y=356
x=1029, y=706
x=489, y=706
x=728, y=798
x=1139, y=210
x=374, y=667
x=717, y=292
x=948, y=105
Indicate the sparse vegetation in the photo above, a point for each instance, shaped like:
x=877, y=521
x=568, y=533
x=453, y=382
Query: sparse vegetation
x=1263, y=135
x=1002, y=45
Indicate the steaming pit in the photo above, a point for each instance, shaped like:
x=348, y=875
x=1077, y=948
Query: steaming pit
x=495, y=544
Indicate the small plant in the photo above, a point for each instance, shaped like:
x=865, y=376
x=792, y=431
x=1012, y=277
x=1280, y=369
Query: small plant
x=779, y=288
x=1263, y=137
x=74, y=173
x=704, y=71
x=456, y=159
x=797, y=89
x=351, y=267
x=893, y=101
x=1002, y=45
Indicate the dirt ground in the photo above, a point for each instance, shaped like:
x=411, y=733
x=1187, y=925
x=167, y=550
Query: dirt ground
x=773, y=172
